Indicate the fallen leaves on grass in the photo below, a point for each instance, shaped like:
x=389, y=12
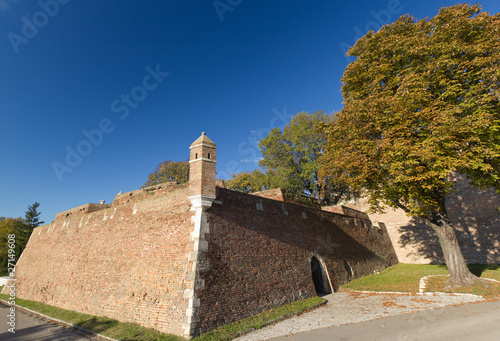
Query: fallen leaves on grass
x=486, y=289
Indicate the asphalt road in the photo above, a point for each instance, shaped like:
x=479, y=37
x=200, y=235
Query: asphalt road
x=30, y=327
x=475, y=321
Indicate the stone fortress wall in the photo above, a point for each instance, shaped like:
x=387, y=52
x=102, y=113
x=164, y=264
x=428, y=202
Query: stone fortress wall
x=126, y=261
x=259, y=254
x=184, y=259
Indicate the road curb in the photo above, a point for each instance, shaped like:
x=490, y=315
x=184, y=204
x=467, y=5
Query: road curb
x=88, y=331
x=422, y=283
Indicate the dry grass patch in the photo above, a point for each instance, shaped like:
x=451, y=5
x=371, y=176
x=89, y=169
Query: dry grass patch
x=484, y=288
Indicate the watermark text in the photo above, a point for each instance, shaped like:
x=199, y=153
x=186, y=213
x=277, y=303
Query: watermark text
x=11, y=284
x=31, y=24
x=223, y=6
x=381, y=17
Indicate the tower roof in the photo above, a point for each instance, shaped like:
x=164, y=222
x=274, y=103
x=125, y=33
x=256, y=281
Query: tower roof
x=203, y=139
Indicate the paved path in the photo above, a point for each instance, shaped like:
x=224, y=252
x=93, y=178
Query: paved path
x=30, y=327
x=472, y=322
x=346, y=308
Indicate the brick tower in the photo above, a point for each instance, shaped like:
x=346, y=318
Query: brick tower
x=202, y=167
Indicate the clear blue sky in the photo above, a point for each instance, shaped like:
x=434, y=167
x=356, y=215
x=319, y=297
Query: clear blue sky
x=94, y=94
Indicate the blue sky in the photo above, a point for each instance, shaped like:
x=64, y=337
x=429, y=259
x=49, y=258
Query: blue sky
x=94, y=94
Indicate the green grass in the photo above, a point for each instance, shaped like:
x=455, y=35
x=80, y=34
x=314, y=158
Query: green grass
x=405, y=278
x=235, y=329
x=134, y=332
x=400, y=277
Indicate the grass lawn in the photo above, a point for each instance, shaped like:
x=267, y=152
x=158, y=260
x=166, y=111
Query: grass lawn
x=134, y=332
x=405, y=278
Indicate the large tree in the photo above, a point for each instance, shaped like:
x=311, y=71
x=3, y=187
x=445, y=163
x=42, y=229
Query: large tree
x=292, y=156
x=177, y=171
x=421, y=102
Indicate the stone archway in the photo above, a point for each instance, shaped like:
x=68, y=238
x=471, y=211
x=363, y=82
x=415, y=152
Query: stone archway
x=320, y=276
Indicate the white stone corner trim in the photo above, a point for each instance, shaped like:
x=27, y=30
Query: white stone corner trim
x=199, y=204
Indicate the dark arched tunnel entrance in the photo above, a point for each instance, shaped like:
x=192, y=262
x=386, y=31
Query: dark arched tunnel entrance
x=320, y=278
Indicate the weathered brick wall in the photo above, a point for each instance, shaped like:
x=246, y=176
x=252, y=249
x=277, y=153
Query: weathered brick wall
x=134, y=260
x=474, y=214
x=280, y=194
x=340, y=209
x=259, y=253
x=147, y=192
x=275, y=194
x=131, y=261
x=127, y=262
x=87, y=208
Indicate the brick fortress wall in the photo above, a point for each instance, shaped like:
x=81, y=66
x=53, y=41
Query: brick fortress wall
x=186, y=259
x=126, y=262
x=259, y=254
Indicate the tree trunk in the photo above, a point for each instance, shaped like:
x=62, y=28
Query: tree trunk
x=460, y=274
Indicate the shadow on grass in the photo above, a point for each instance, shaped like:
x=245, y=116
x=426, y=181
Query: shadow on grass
x=478, y=269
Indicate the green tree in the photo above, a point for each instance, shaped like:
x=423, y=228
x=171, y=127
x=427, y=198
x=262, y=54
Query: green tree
x=255, y=181
x=292, y=156
x=31, y=220
x=32, y=216
x=169, y=171
x=421, y=102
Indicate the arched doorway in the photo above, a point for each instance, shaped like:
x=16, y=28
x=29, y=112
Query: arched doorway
x=319, y=276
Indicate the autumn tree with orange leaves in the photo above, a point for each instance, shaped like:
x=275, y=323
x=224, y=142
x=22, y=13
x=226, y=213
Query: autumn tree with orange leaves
x=421, y=102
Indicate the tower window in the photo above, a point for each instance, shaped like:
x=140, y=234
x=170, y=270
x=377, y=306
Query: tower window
x=208, y=155
x=195, y=156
